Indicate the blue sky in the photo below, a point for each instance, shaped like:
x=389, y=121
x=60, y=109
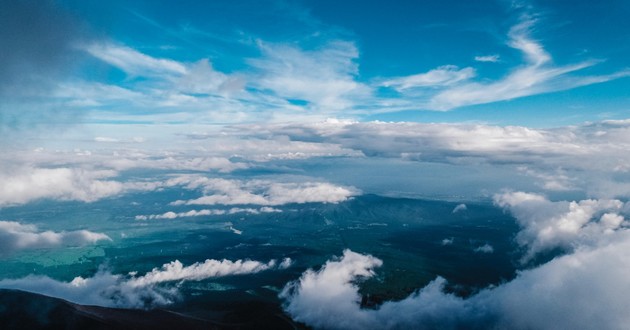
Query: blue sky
x=539, y=64
x=535, y=90
x=251, y=107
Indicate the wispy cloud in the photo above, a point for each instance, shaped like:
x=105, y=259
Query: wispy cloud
x=325, y=78
x=442, y=76
x=537, y=76
x=134, y=62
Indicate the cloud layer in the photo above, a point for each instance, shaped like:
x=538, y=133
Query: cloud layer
x=586, y=157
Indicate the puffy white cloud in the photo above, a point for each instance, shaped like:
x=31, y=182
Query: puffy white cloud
x=155, y=288
x=15, y=236
x=29, y=184
x=587, y=290
x=328, y=298
x=547, y=225
x=260, y=192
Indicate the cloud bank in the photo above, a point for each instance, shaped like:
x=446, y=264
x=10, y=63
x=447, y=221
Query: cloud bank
x=588, y=157
x=155, y=288
x=15, y=236
x=568, y=292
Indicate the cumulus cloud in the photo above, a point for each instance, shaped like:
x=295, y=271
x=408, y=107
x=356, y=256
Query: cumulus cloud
x=260, y=192
x=547, y=225
x=26, y=185
x=207, y=212
x=155, y=288
x=15, y=236
x=569, y=292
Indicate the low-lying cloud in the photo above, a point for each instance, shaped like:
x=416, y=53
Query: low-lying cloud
x=30, y=184
x=15, y=236
x=546, y=225
x=584, y=290
x=155, y=288
x=260, y=192
x=207, y=212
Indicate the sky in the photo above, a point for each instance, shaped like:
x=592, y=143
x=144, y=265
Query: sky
x=254, y=105
x=537, y=64
x=520, y=95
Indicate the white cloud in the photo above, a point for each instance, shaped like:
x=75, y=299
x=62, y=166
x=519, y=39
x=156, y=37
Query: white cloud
x=448, y=241
x=589, y=157
x=557, y=181
x=488, y=58
x=587, y=290
x=547, y=225
x=460, y=208
x=15, y=236
x=442, y=76
x=28, y=184
x=206, y=212
x=324, y=77
x=260, y=192
x=538, y=76
x=486, y=248
x=328, y=298
x=175, y=271
x=134, y=62
x=155, y=288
